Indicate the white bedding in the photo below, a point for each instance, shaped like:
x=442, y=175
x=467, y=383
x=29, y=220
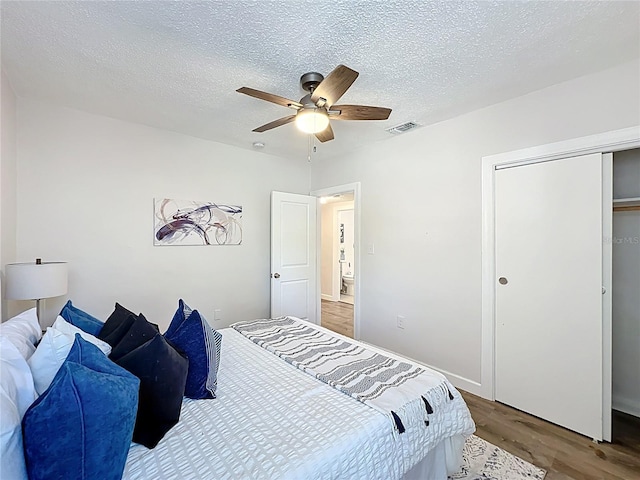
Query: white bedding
x=273, y=421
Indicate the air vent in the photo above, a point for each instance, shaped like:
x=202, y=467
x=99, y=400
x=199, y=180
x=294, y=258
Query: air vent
x=404, y=127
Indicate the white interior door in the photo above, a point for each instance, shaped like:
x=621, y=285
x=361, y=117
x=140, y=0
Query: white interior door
x=549, y=297
x=293, y=255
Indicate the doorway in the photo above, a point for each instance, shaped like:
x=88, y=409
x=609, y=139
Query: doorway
x=625, y=241
x=338, y=258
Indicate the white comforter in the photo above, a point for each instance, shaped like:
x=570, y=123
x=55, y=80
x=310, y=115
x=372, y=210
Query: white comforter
x=273, y=421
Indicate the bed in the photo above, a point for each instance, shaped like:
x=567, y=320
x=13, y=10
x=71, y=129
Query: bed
x=272, y=420
x=279, y=399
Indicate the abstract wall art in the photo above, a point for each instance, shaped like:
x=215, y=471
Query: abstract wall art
x=188, y=222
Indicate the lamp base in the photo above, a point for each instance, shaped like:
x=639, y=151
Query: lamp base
x=38, y=314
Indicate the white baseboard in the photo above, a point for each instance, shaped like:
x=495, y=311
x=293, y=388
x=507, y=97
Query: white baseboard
x=456, y=380
x=465, y=384
x=461, y=382
x=626, y=405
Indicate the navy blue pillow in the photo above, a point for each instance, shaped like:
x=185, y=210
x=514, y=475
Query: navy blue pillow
x=82, y=320
x=191, y=333
x=138, y=332
x=119, y=316
x=162, y=371
x=81, y=426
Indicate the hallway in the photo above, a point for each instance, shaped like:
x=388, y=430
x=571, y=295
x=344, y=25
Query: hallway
x=338, y=316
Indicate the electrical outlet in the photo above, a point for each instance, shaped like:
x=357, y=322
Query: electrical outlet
x=217, y=314
x=401, y=321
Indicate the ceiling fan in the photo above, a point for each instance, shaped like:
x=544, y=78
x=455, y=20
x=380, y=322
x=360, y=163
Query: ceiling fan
x=315, y=109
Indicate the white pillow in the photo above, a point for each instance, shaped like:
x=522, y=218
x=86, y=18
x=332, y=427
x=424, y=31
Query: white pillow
x=17, y=393
x=15, y=376
x=68, y=329
x=23, y=331
x=11, y=447
x=51, y=354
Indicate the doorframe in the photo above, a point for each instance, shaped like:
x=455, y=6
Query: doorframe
x=612, y=141
x=348, y=187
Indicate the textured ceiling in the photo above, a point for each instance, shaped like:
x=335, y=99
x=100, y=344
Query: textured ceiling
x=176, y=65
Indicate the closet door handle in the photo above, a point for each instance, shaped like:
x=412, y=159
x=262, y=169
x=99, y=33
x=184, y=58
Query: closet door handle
x=276, y=275
x=503, y=280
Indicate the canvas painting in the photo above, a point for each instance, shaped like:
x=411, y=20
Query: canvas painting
x=188, y=222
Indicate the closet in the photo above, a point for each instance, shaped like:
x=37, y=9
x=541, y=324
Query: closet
x=626, y=282
x=561, y=280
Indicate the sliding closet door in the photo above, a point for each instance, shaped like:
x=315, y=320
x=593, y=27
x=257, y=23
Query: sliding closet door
x=549, y=300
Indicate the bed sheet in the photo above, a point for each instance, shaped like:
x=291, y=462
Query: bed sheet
x=273, y=421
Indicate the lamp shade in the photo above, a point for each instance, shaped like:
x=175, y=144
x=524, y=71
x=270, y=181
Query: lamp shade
x=33, y=281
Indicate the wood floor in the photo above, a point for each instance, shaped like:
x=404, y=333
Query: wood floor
x=564, y=454
x=337, y=316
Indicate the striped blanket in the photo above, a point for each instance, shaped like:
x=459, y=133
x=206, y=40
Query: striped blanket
x=405, y=392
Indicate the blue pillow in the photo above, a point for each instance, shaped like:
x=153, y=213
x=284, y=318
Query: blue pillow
x=191, y=333
x=82, y=425
x=80, y=319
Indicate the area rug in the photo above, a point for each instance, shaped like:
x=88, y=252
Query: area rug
x=482, y=460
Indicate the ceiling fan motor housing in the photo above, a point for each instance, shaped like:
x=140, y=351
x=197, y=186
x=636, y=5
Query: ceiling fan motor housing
x=307, y=102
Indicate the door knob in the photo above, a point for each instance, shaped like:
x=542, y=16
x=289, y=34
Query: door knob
x=503, y=281
x=276, y=275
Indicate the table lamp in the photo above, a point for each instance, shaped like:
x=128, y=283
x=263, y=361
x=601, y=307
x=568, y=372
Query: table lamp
x=35, y=281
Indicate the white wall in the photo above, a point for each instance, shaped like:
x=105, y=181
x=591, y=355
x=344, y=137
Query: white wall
x=86, y=185
x=626, y=285
x=8, y=154
x=421, y=209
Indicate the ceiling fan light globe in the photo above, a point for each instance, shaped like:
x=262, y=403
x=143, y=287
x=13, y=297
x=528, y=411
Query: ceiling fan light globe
x=312, y=121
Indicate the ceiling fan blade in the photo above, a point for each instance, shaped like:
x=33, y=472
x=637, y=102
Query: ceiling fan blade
x=325, y=135
x=334, y=86
x=359, y=112
x=275, y=123
x=270, y=97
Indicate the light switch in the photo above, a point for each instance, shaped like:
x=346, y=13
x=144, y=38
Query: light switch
x=371, y=249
